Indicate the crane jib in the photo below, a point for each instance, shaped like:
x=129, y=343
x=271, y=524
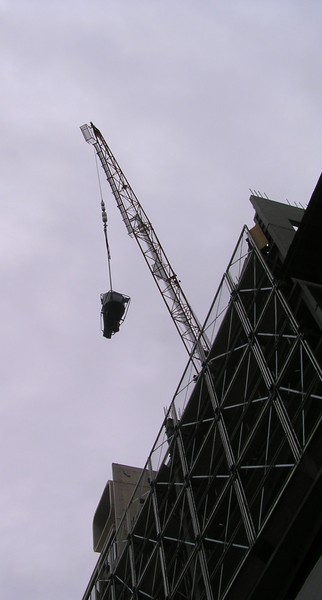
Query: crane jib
x=139, y=227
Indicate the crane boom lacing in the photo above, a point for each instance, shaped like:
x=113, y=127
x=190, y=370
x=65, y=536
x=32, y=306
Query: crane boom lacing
x=139, y=226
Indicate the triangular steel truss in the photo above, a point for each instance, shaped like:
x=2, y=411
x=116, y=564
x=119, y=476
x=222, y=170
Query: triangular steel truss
x=230, y=444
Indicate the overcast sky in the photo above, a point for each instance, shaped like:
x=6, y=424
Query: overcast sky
x=200, y=101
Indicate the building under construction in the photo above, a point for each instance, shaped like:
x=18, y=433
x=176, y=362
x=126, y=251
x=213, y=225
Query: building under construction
x=228, y=505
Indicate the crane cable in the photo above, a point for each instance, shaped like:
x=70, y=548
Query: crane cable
x=104, y=219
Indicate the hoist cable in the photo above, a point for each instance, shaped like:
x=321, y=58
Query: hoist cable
x=104, y=219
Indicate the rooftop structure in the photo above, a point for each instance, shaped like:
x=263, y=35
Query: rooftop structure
x=228, y=504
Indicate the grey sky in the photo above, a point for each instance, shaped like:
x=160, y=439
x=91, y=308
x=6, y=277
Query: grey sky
x=199, y=100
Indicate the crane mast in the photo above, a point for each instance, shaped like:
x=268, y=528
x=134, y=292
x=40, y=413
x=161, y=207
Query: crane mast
x=139, y=226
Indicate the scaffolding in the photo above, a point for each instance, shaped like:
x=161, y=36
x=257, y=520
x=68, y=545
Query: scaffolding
x=231, y=445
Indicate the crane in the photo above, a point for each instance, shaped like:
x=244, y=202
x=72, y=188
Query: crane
x=140, y=228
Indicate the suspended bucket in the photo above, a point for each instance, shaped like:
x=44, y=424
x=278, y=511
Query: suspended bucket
x=113, y=312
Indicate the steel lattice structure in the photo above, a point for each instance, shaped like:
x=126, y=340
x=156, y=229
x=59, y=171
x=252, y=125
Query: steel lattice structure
x=140, y=227
x=232, y=444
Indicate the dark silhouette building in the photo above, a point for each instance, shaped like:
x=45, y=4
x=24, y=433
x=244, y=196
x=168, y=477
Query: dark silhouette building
x=229, y=503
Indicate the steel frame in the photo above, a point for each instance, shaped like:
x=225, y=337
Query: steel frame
x=140, y=227
x=229, y=445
